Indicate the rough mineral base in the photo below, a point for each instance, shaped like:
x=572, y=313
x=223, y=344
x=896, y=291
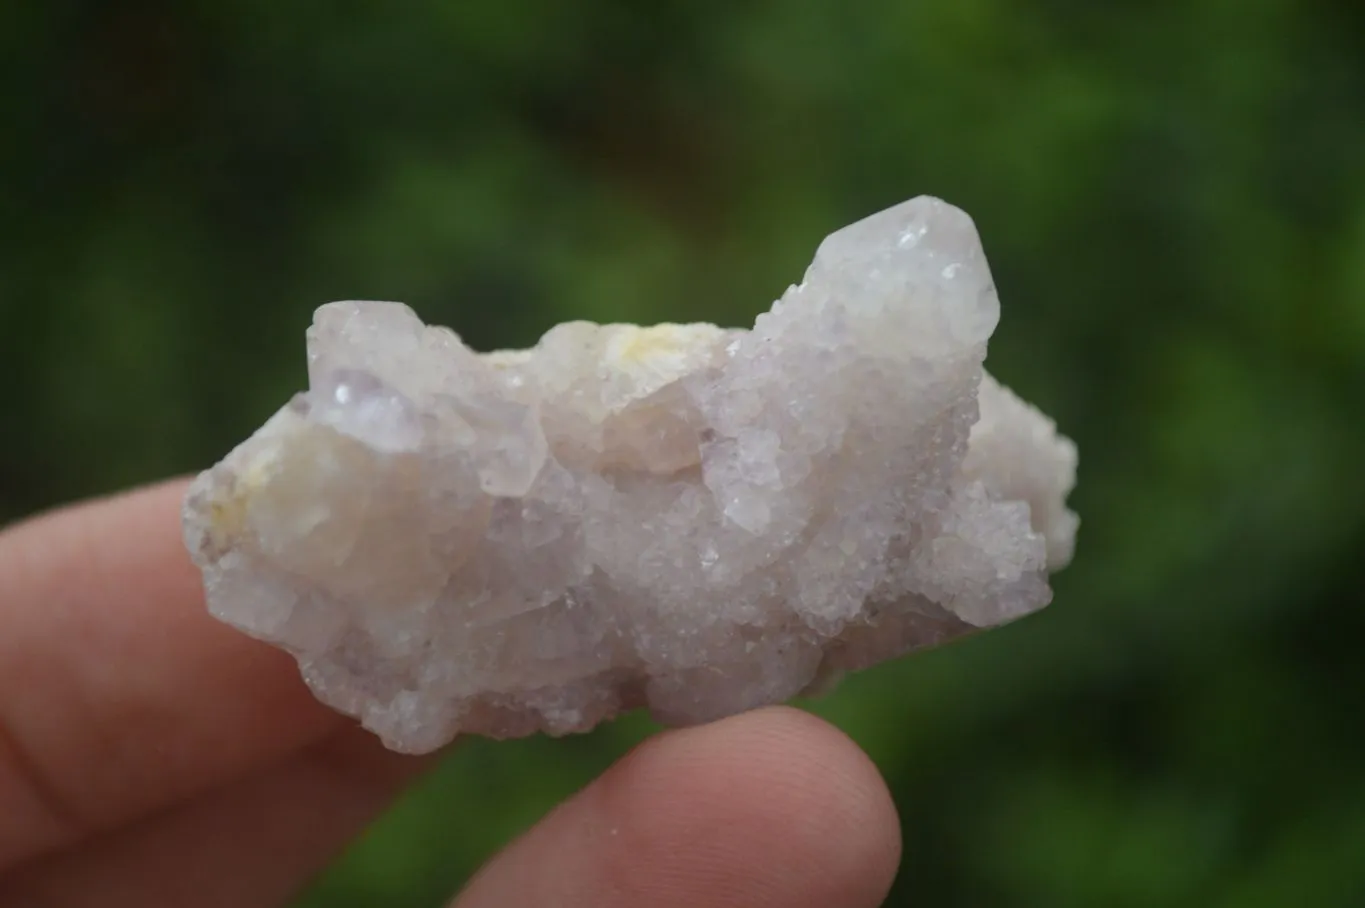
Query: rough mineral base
x=687, y=518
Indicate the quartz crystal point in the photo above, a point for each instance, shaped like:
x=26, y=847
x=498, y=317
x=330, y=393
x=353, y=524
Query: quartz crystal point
x=688, y=518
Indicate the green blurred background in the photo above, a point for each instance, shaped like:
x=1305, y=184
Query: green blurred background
x=1172, y=195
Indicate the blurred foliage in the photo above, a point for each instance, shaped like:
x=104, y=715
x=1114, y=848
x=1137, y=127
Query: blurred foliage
x=1173, y=198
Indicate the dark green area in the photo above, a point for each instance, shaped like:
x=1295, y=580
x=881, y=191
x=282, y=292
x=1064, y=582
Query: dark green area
x=1173, y=199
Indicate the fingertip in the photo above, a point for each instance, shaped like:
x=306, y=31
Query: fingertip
x=853, y=824
x=107, y=648
x=772, y=808
x=783, y=790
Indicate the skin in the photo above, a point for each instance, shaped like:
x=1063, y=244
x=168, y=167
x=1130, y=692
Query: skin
x=152, y=756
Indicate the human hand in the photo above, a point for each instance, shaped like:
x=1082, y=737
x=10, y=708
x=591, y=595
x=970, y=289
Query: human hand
x=150, y=756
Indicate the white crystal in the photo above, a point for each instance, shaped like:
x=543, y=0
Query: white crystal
x=684, y=517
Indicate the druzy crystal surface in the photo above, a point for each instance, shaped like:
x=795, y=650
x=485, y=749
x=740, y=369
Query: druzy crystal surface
x=688, y=518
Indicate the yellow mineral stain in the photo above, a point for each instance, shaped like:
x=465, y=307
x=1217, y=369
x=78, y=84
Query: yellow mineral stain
x=641, y=345
x=227, y=514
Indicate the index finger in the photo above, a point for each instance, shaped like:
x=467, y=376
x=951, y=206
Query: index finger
x=119, y=694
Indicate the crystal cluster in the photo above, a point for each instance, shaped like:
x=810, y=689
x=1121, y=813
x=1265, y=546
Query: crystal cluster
x=693, y=519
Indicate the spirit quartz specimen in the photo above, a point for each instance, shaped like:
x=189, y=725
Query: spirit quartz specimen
x=684, y=517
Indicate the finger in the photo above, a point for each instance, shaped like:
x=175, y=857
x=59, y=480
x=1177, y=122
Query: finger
x=252, y=844
x=118, y=693
x=773, y=808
